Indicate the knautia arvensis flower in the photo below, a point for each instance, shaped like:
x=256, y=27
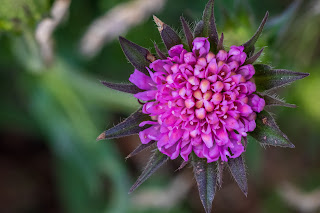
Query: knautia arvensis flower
x=201, y=101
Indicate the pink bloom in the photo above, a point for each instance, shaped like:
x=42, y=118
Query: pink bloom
x=199, y=102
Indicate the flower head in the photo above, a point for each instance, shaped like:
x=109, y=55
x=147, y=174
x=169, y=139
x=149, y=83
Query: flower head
x=201, y=102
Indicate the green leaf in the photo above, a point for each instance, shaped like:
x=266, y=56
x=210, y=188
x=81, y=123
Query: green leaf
x=140, y=148
x=209, y=25
x=127, y=87
x=206, y=178
x=274, y=101
x=268, y=133
x=249, y=45
x=129, y=126
x=187, y=32
x=156, y=161
x=267, y=78
x=138, y=56
x=238, y=171
x=169, y=37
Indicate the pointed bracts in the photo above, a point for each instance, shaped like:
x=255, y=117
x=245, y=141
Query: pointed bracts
x=156, y=161
x=209, y=26
x=206, y=177
x=238, y=171
x=169, y=37
x=187, y=32
x=267, y=78
x=249, y=45
x=138, y=56
x=129, y=126
x=275, y=101
x=123, y=87
x=267, y=132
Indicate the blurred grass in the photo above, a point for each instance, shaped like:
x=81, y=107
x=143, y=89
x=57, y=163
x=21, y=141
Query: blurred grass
x=66, y=107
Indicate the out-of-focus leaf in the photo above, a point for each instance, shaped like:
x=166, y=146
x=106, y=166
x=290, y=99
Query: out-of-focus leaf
x=274, y=101
x=206, y=177
x=249, y=45
x=169, y=37
x=267, y=78
x=220, y=44
x=209, y=25
x=268, y=133
x=138, y=56
x=129, y=126
x=220, y=170
x=238, y=171
x=127, y=87
x=15, y=13
x=156, y=161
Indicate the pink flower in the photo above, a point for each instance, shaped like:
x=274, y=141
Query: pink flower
x=199, y=102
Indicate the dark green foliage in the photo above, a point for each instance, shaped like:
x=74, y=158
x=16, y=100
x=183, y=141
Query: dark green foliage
x=268, y=133
x=206, y=177
x=238, y=171
x=130, y=126
x=156, y=161
x=267, y=78
x=127, y=87
x=138, y=56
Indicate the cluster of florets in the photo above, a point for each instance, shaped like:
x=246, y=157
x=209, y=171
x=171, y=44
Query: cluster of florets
x=199, y=101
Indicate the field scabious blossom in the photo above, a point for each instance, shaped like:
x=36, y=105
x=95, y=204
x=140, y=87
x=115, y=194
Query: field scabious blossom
x=201, y=101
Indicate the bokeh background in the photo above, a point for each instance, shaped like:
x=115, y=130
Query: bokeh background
x=52, y=56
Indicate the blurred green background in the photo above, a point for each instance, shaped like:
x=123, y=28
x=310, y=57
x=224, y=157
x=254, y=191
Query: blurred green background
x=52, y=56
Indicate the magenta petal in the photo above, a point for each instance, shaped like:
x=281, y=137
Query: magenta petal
x=141, y=80
x=147, y=95
x=176, y=50
x=149, y=134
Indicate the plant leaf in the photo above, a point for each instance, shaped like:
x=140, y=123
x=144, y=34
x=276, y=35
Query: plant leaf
x=138, y=56
x=253, y=58
x=198, y=29
x=140, y=148
x=187, y=32
x=267, y=78
x=127, y=87
x=169, y=36
x=159, y=53
x=249, y=45
x=274, y=101
x=156, y=161
x=268, y=133
x=238, y=171
x=206, y=178
x=129, y=126
x=209, y=25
